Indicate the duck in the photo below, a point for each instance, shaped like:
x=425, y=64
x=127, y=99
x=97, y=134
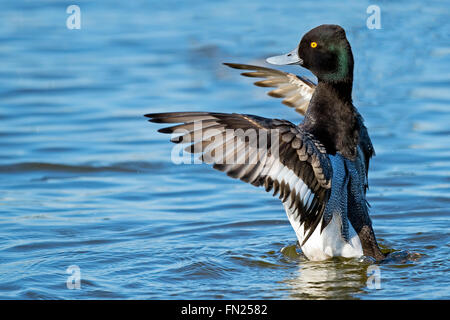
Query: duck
x=319, y=167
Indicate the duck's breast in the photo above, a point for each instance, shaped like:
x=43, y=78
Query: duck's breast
x=339, y=237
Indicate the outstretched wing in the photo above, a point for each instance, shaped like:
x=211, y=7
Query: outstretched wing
x=265, y=152
x=296, y=91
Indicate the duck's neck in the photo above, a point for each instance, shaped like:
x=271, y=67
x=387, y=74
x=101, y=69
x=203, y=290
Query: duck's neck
x=341, y=89
x=331, y=117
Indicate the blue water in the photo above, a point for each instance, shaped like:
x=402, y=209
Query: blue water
x=86, y=181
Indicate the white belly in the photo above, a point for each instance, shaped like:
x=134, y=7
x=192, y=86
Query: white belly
x=328, y=243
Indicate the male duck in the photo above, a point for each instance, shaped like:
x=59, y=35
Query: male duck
x=320, y=169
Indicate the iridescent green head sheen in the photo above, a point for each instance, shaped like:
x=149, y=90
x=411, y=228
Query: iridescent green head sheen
x=326, y=52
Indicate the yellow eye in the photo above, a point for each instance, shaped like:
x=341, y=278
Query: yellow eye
x=313, y=44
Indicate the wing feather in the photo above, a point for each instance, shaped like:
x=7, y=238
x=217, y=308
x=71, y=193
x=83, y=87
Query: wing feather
x=296, y=91
x=300, y=170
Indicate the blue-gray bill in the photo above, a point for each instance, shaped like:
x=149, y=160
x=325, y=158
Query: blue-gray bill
x=285, y=59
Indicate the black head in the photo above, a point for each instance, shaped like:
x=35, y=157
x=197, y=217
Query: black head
x=325, y=51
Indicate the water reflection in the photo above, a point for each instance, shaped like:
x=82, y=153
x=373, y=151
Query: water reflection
x=342, y=278
x=337, y=278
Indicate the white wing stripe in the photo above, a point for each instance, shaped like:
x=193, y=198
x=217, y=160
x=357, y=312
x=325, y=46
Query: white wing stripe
x=287, y=179
x=310, y=200
x=307, y=195
x=280, y=173
x=303, y=191
x=293, y=181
